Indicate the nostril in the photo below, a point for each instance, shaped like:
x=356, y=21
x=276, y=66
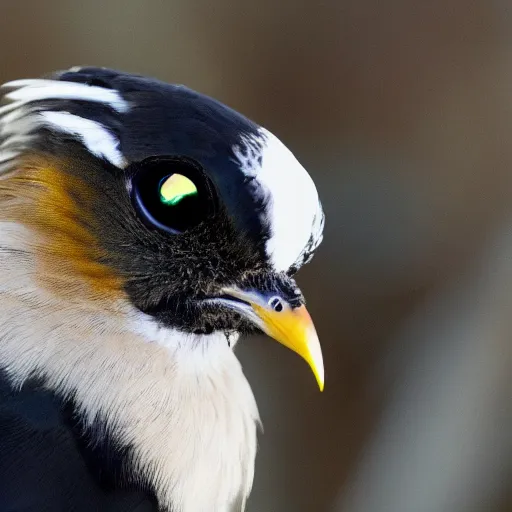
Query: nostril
x=276, y=304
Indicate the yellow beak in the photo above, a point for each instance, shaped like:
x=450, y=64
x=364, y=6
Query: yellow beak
x=292, y=327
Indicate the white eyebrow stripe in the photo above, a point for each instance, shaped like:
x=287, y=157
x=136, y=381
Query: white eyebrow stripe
x=96, y=137
x=27, y=91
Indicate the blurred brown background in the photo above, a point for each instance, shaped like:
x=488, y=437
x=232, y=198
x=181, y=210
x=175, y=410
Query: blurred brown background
x=402, y=113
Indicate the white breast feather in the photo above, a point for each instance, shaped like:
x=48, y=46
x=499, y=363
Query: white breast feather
x=181, y=401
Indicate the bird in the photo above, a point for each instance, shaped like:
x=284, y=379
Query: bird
x=144, y=227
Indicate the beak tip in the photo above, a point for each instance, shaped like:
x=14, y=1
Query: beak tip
x=320, y=380
x=316, y=362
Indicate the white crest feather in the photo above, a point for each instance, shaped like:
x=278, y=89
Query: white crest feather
x=98, y=140
x=19, y=118
x=27, y=91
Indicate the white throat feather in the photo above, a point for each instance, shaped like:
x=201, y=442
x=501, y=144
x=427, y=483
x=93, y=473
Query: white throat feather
x=182, y=402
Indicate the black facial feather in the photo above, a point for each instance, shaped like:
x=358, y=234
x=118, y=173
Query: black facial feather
x=166, y=275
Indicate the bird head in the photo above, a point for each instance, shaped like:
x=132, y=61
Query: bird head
x=143, y=227
x=148, y=193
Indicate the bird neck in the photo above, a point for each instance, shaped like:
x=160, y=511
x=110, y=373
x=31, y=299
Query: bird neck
x=180, y=402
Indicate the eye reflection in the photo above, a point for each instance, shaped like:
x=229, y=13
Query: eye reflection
x=174, y=188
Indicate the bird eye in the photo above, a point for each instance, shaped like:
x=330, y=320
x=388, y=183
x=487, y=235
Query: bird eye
x=171, y=194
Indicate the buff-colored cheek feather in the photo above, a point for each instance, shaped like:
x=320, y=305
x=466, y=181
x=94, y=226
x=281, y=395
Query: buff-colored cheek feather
x=41, y=196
